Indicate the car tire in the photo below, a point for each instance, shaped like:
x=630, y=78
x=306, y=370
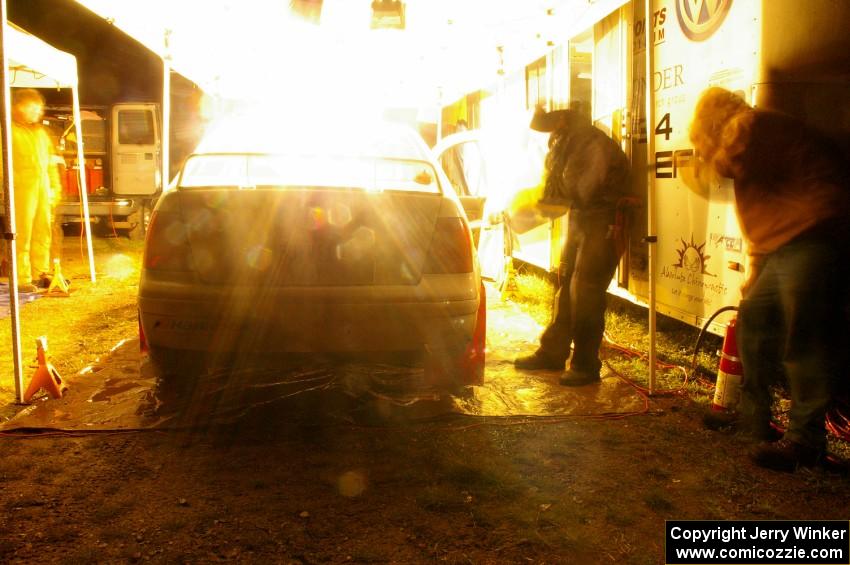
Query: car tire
x=139, y=220
x=177, y=371
x=463, y=366
x=451, y=371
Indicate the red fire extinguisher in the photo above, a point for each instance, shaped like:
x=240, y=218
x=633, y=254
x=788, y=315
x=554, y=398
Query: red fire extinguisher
x=730, y=374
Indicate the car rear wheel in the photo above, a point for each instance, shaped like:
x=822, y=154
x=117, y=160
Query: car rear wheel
x=139, y=221
x=177, y=371
x=462, y=367
x=447, y=371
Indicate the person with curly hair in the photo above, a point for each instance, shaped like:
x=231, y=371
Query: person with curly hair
x=792, y=196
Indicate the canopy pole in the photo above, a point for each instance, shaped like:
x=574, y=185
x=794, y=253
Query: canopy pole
x=650, y=185
x=81, y=172
x=9, y=200
x=439, y=113
x=166, y=113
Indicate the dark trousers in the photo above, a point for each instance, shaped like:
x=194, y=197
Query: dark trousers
x=588, y=261
x=793, y=320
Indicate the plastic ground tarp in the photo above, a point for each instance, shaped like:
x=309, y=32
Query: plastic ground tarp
x=120, y=393
x=23, y=298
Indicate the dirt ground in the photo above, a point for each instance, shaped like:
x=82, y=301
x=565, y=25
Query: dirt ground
x=288, y=484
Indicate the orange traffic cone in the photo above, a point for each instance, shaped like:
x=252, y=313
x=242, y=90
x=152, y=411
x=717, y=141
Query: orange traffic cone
x=46, y=376
x=730, y=374
x=58, y=285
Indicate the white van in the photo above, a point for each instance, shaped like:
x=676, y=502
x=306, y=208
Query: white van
x=123, y=164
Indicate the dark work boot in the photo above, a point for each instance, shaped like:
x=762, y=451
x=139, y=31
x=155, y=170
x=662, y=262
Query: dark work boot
x=717, y=421
x=575, y=377
x=724, y=421
x=538, y=361
x=787, y=455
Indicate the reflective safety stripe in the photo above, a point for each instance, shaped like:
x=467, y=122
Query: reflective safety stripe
x=728, y=357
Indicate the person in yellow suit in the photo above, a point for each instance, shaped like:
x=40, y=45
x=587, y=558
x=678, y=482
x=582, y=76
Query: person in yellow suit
x=37, y=184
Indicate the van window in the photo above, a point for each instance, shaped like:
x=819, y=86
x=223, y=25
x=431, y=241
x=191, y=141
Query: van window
x=135, y=127
x=94, y=135
x=60, y=127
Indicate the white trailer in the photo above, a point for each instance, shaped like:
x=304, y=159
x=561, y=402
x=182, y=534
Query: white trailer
x=686, y=252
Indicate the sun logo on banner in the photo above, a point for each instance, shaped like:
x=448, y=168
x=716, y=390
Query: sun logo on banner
x=692, y=257
x=700, y=18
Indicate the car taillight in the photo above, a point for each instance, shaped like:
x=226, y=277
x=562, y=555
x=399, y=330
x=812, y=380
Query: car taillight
x=166, y=243
x=451, y=248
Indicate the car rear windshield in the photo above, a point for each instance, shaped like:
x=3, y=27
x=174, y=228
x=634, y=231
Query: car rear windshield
x=241, y=171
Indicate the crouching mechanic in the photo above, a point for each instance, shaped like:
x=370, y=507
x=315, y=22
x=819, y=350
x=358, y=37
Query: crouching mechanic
x=792, y=195
x=587, y=173
x=37, y=182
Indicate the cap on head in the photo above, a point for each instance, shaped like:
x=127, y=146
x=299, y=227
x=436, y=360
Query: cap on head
x=548, y=121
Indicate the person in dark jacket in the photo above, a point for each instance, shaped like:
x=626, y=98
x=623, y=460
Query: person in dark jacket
x=792, y=198
x=588, y=173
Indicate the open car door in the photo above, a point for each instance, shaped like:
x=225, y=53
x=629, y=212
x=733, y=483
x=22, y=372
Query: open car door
x=462, y=159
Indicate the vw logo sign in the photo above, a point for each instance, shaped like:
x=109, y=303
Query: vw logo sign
x=700, y=18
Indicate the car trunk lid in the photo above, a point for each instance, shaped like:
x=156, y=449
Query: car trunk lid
x=308, y=236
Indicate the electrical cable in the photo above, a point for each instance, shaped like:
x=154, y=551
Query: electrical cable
x=610, y=344
x=689, y=376
x=39, y=432
x=704, y=330
x=82, y=236
x=112, y=221
x=837, y=422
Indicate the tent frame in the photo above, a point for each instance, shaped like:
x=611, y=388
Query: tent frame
x=40, y=78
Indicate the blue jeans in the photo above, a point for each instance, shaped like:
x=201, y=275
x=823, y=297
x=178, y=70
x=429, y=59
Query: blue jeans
x=588, y=261
x=793, y=320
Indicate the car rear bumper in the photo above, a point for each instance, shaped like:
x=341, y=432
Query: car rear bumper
x=70, y=212
x=305, y=320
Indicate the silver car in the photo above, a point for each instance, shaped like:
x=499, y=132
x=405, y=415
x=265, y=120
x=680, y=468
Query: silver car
x=325, y=243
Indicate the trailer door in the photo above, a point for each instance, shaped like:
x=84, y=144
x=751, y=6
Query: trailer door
x=135, y=150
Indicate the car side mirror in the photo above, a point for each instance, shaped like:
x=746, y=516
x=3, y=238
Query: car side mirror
x=423, y=177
